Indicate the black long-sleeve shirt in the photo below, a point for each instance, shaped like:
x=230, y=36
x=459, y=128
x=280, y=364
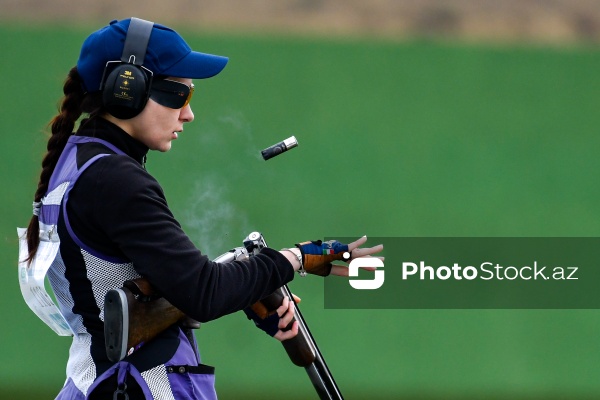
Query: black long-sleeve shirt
x=119, y=209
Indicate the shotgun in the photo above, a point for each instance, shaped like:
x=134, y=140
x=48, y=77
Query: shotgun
x=135, y=314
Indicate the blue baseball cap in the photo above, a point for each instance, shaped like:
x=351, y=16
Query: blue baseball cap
x=167, y=55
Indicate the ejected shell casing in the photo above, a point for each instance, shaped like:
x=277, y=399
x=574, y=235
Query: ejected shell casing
x=279, y=148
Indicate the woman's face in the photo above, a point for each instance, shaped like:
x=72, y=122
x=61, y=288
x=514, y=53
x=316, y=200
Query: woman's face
x=156, y=126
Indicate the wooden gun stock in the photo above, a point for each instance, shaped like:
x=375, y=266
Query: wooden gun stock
x=135, y=314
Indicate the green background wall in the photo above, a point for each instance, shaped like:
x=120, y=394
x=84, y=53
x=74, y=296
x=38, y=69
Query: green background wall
x=396, y=139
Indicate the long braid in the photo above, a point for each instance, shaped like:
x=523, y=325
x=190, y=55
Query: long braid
x=62, y=126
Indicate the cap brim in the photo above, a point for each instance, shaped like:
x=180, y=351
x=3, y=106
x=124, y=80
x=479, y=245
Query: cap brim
x=197, y=65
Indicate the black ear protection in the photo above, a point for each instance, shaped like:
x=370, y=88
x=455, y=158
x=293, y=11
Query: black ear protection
x=126, y=84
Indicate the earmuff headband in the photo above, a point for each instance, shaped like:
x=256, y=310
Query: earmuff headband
x=136, y=41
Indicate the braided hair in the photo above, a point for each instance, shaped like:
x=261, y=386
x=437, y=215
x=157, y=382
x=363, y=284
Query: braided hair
x=74, y=103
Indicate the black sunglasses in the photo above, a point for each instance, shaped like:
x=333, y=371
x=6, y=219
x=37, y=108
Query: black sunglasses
x=170, y=93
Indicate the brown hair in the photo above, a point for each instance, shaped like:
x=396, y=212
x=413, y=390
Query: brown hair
x=74, y=103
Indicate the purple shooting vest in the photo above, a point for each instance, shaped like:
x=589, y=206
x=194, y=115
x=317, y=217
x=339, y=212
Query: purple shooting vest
x=181, y=377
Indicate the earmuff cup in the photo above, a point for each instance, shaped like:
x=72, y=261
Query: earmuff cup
x=125, y=92
x=125, y=84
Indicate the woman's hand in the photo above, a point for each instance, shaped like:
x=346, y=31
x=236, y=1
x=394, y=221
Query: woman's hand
x=355, y=251
x=315, y=257
x=274, y=323
x=286, y=314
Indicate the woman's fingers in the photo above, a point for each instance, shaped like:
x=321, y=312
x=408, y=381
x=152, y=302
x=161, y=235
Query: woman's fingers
x=282, y=309
x=356, y=251
x=357, y=243
x=366, y=251
x=285, y=335
x=286, y=314
x=339, y=270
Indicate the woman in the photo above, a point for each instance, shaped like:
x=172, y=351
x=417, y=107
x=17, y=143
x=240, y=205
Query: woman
x=133, y=84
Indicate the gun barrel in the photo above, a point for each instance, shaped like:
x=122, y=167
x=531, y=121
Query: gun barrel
x=303, y=350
